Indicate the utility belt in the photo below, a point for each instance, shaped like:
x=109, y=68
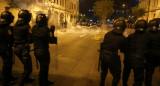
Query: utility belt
x=21, y=44
x=108, y=55
x=20, y=47
x=109, y=52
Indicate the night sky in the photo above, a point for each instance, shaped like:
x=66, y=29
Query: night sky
x=85, y=5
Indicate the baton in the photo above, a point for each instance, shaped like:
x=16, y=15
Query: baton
x=14, y=56
x=37, y=63
x=99, y=62
x=53, y=39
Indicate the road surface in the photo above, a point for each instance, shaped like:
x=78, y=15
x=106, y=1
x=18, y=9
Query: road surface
x=74, y=61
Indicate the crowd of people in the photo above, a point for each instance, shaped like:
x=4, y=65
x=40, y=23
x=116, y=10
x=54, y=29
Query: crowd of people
x=141, y=53
x=141, y=49
x=16, y=40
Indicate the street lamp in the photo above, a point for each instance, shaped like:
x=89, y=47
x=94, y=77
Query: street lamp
x=148, y=9
x=52, y=3
x=65, y=23
x=46, y=3
x=125, y=8
x=49, y=6
x=124, y=5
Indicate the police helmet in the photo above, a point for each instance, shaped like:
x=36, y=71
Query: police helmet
x=25, y=14
x=8, y=16
x=120, y=24
x=42, y=19
x=141, y=25
x=153, y=25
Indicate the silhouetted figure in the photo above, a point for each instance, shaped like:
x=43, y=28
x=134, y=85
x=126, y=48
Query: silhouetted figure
x=6, y=43
x=109, y=57
x=135, y=50
x=21, y=44
x=42, y=36
x=153, y=54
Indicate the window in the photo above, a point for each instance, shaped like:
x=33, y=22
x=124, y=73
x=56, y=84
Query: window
x=62, y=2
x=74, y=6
x=40, y=1
x=71, y=5
x=57, y=1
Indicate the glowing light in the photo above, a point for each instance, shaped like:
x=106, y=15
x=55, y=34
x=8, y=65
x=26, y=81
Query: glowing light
x=91, y=20
x=52, y=3
x=46, y=3
x=108, y=20
x=123, y=5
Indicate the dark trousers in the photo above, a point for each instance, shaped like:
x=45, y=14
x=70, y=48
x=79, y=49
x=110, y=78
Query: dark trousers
x=151, y=63
x=114, y=66
x=10, y=54
x=22, y=52
x=43, y=56
x=7, y=68
x=148, y=76
x=138, y=75
x=126, y=73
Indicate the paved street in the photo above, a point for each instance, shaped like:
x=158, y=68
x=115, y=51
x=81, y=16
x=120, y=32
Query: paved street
x=74, y=61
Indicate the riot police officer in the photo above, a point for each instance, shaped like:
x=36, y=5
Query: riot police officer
x=21, y=44
x=135, y=49
x=6, y=42
x=41, y=36
x=153, y=55
x=109, y=57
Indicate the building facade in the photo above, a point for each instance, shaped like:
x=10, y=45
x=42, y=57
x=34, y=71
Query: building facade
x=59, y=12
x=152, y=7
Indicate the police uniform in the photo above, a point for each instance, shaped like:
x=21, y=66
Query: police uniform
x=135, y=49
x=109, y=53
x=153, y=55
x=21, y=44
x=41, y=38
x=6, y=37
